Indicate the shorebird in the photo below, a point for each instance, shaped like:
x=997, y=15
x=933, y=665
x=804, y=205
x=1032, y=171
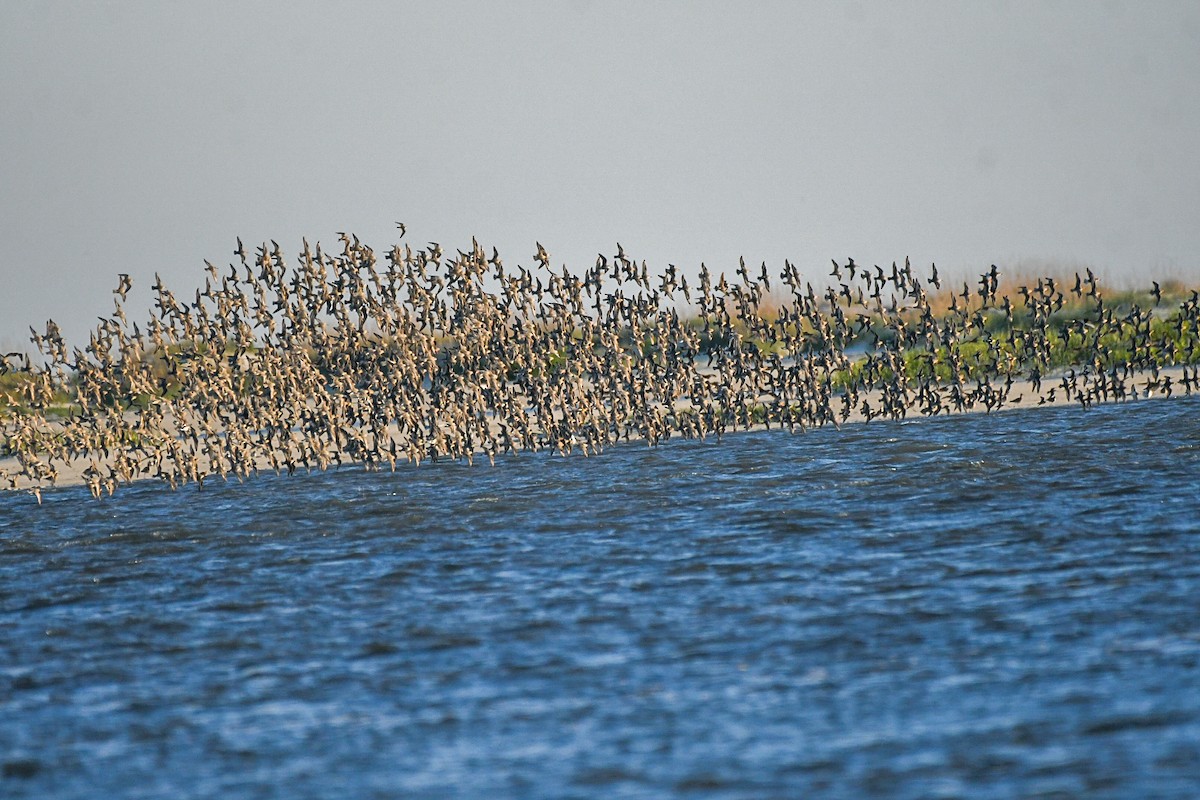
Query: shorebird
x=338, y=359
x=123, y=286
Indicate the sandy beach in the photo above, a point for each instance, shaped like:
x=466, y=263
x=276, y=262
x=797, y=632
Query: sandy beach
x=1021, y=396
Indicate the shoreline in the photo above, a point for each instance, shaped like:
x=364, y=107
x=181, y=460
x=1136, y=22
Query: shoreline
x=1022, y=394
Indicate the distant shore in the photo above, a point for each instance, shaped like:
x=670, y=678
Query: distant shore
x=1021, y=396
x=439, y=354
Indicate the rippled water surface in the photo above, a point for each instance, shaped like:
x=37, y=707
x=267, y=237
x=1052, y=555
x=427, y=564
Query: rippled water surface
x=978, y=606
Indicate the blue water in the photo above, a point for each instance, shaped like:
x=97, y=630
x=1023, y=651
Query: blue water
x=978, y=606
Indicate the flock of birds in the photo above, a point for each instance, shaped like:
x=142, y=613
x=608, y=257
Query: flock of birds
x=342, y=358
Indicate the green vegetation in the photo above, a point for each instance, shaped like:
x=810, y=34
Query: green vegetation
x=422, y=359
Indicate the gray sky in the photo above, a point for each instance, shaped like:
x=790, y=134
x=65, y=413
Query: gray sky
x=145, y=137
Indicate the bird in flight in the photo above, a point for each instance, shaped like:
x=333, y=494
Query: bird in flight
x=126, y=283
